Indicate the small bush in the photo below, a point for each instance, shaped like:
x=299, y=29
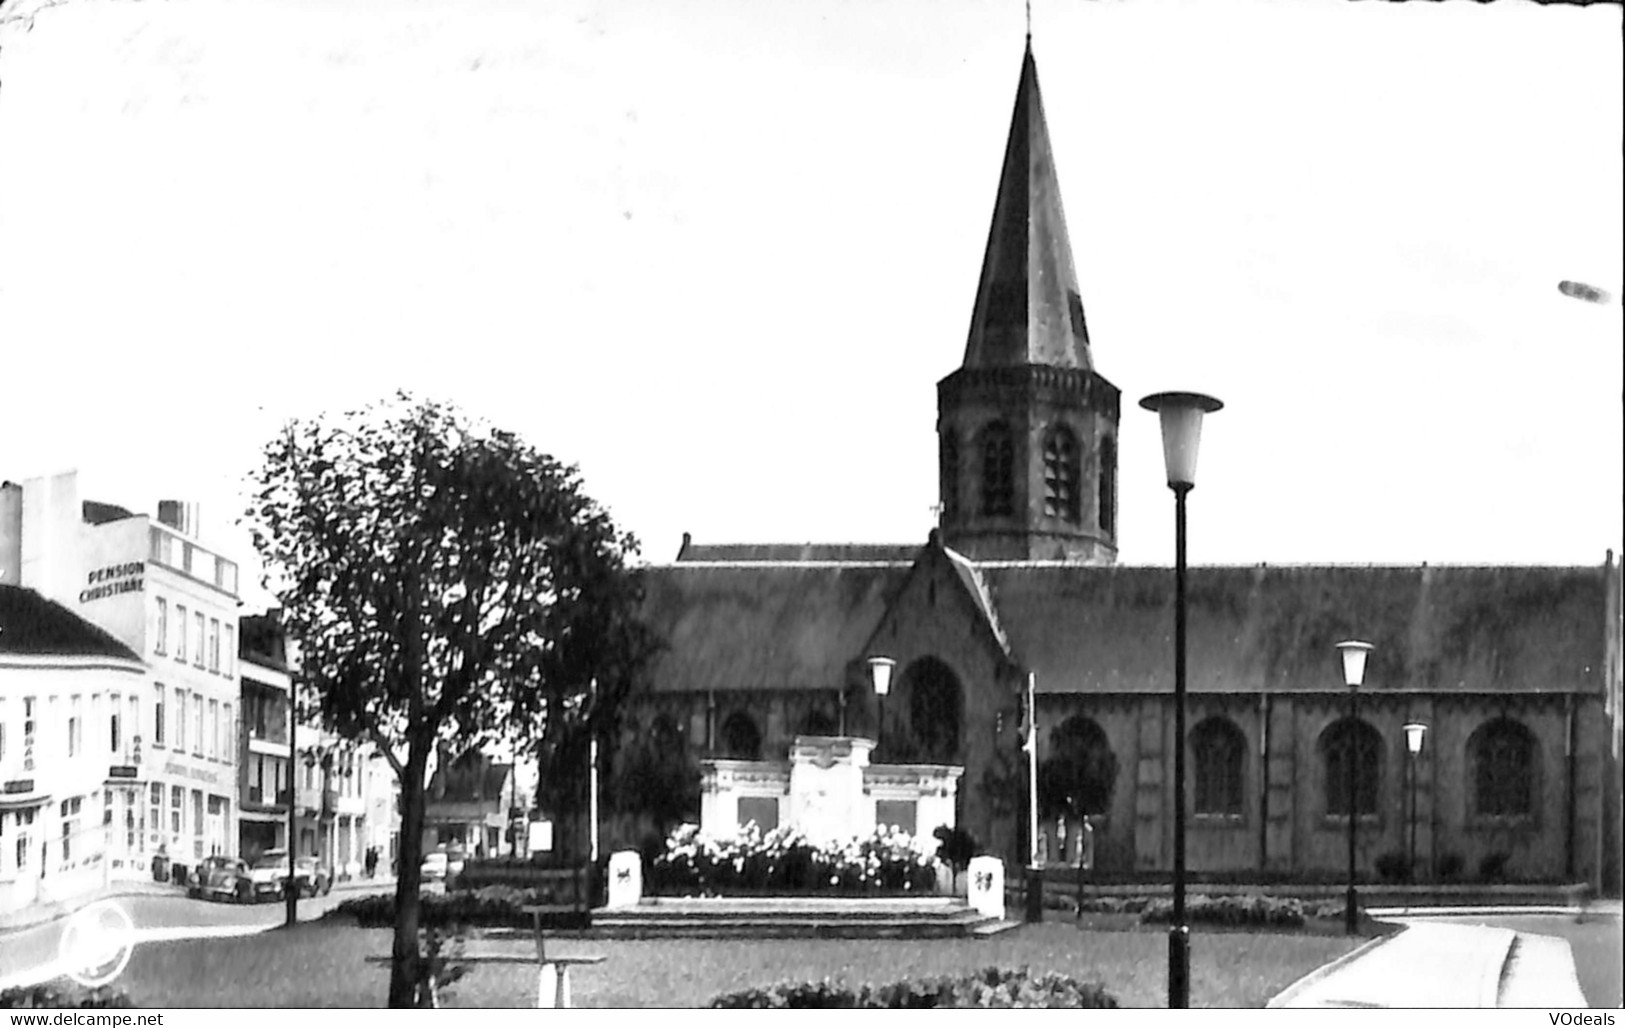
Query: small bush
x=1230, y=911
x=990, y=988
x=1493, y=868
x=1449, y=865
x=35, y=997
x=1115, y=904
x=1393, y=867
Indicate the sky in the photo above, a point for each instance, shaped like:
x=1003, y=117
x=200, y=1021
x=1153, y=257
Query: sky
x=719, y=253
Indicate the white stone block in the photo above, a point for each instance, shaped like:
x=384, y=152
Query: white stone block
x=985, y=886
x=625, y=880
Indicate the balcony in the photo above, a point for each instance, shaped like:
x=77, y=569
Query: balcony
x=261, y=801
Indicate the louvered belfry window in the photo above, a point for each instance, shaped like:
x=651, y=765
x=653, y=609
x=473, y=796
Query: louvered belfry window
x=998, y=470
x=1061, y=475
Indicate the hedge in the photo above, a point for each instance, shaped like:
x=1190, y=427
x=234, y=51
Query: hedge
x=1248, y=911
x=992, y=987
x=37, y=997
x=494, y=906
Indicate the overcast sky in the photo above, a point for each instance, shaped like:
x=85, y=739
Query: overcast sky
x=720, y=253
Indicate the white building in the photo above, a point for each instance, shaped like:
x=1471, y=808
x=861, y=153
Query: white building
x=71, y=778
x=154, y=587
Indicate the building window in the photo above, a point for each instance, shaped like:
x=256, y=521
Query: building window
x=155, y=815
x=73, y=736
x=1344, y=741
x=214, y=645
x=197, y=724
x=998, y=470
x=180, y=719
x=949, y=473
x=1220, y=752
x=1061, y=474
x=70, y=827
x=741, y=739
x=161, y=629
x=180, y=633
x=228, y=733
x=197, y=643
x=1502, y=755
x=158, y=716
x=230, y=656
x=112, y=729
x=212, y=745
x=177, y=800
x=1107, y=488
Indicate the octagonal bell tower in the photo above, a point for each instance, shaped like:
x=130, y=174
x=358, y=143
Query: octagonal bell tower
x=1027, y=428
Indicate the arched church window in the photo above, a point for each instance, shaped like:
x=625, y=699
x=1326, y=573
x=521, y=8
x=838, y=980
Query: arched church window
x=1220, y=752
x=1061, y=474
x=1107, y=488
x=1502, y=754
x=1079, y=775
x=741, y=739
x=949, y=474
x=1344, y=741
x=998, y=470
x=935, y=710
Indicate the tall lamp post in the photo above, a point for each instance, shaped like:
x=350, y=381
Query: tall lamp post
x=1181, y=417
x=880, y=669
x=1354, y=654
x=1415, y=733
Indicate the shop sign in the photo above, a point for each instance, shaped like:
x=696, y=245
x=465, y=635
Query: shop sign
x=122, y=771
x=113, y=580
x=201, y=774
x=17, y=785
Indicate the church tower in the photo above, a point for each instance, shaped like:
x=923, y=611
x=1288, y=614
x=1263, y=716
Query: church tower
x=1027, y=429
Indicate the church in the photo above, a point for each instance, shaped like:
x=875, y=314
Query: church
x=1514, y=670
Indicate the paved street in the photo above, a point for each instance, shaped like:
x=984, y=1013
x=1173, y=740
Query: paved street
x=30, y=954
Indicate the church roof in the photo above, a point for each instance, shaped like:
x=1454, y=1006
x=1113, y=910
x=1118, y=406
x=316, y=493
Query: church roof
x=1028, y=308
x=1110, y=629
x=33, y=625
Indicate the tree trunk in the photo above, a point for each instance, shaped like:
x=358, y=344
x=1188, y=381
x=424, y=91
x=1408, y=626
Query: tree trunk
x=403, y=971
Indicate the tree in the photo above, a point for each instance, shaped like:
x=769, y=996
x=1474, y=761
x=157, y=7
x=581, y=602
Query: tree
x=1078, y=778
x=445, y=582
x=654, y=776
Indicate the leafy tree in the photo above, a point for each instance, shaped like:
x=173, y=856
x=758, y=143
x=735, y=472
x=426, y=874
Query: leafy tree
x=655, y=776
x=445, y=582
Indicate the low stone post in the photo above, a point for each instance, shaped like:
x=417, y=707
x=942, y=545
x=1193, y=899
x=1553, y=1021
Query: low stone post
x=985, y=886
x=625, y=880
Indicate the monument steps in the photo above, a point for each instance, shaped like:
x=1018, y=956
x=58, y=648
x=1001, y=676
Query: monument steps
x=790, y=918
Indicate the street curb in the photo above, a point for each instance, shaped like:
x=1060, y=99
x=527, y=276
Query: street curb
x=1286, y=995
x=57, y=910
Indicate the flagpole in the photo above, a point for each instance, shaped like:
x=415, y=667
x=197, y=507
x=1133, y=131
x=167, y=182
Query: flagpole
x=592, y=782
x=1032, y=769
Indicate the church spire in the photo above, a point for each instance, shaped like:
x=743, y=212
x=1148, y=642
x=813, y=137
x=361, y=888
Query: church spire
x=1028, y=310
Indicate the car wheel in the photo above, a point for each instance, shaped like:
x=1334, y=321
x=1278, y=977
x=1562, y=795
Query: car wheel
x=245, y=892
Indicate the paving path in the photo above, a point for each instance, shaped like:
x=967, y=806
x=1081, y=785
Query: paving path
x=1429, y=964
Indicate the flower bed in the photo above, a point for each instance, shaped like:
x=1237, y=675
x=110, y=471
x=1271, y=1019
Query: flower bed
x=785, y=862
x=990, y=988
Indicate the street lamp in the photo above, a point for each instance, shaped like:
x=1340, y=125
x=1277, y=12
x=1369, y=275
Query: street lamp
x=1415, y=733
x=1181, y=416
x=1354, y=654
x=880, y=669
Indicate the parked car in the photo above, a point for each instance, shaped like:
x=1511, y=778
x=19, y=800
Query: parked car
x=221, y=878
x=441, y=864
x=270, y=871
x=313, y=879
x=267, y=873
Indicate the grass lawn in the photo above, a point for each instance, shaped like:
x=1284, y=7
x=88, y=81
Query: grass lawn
x=322, y=965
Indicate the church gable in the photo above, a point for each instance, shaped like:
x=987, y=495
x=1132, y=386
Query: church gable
x=762, y=626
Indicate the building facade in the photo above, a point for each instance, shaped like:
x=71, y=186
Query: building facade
x=72, y=816
x=1515, y=669
x=150, y=584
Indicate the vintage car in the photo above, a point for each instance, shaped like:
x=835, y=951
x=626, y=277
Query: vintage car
x=312, y=878
x=221, y=878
